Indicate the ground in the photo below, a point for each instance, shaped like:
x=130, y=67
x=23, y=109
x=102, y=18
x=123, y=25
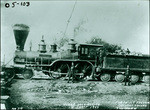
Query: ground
x=50, y=94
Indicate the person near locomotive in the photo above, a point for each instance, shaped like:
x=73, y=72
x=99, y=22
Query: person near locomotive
x=127, y=73
x=127, y=76
x=100, y=53
x=71, y=73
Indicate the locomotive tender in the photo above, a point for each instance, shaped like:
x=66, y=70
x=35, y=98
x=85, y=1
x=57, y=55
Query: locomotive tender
x=57, y=64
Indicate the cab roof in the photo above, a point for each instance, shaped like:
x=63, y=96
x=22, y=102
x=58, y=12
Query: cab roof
x=93, y=45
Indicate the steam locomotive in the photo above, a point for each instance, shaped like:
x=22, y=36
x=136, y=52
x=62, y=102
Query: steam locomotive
x=86, y=61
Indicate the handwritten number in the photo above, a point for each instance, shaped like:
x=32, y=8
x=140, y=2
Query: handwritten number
x=24, y=3
x=7, y=5
x=13, y=4
x=27, y=3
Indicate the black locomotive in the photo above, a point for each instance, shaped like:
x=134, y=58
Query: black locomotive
x=89, y=61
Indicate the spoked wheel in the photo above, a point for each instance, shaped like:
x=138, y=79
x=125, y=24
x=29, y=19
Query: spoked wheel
x=119, y=77
x=134, y=79
x=83, y=70
x=28, y=74
x=60, y=71
x=105, y=77
x=7, y=76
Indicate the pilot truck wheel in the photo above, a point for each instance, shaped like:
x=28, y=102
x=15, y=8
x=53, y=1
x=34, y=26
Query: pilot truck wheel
x=28, y=74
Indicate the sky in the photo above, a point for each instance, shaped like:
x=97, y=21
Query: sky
x=124, y=23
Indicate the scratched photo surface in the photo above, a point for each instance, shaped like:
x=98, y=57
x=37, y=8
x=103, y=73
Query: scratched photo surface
x=51, y=58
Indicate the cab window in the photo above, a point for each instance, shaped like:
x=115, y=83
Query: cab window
x=84, y=51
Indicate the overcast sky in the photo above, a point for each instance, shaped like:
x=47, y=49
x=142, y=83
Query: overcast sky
x=125, y=23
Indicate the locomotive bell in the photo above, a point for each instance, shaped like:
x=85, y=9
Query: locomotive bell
x=42, y=46
x=21, y=32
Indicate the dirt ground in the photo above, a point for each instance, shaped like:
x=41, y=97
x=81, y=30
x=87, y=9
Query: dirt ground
x=58, y=94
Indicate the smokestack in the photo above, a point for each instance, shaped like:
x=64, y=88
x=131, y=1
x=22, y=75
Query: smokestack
x=21, y=32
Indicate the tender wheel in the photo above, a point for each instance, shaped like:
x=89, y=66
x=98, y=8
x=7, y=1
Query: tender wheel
x=119, y=77
x=146, y=78
x=105, y=77
x=134, y=78
x=27, y=74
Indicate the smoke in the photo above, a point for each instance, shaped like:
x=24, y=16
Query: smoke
x=80, y=28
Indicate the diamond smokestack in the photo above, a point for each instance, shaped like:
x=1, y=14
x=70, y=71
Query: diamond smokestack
x=21, y=32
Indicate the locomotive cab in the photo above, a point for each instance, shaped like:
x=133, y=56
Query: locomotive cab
x=88, y=51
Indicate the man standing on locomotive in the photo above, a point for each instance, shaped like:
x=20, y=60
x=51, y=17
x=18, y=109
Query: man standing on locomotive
x=100, y=57
x=100, y=53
